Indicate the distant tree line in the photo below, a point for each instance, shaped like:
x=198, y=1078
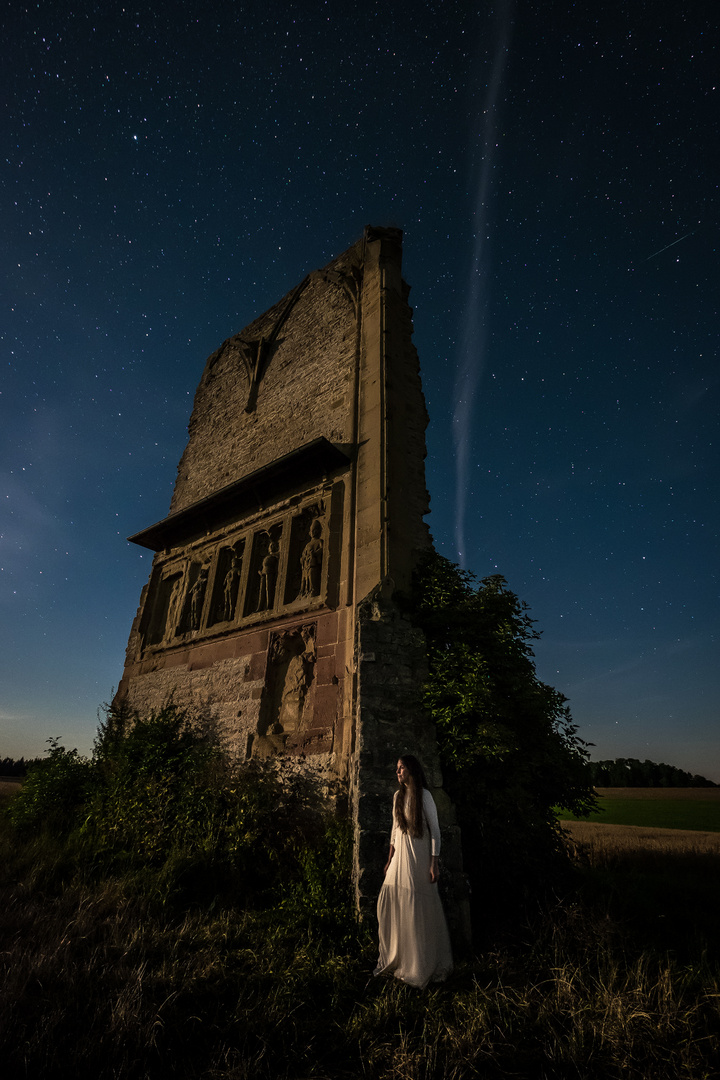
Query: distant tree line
x=16, y=767
x=629, y=772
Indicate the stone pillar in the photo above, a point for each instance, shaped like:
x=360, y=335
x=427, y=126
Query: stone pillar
x=391, y=663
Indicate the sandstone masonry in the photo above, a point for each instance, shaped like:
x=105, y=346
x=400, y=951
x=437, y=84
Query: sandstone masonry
x=297, y=515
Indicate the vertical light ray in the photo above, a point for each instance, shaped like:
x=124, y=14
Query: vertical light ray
x=474, y=331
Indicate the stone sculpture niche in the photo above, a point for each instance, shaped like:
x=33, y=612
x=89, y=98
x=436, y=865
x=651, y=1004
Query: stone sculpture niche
x=306, y=555
x=268, y=577
x=164, y=613
x=214, y=586
x=264, y=563
x=227, y=583
x=194, y=599
x=311, y=562
x=174, y=608
x=289, y=688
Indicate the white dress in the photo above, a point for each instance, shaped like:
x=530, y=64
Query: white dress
x=414, y=939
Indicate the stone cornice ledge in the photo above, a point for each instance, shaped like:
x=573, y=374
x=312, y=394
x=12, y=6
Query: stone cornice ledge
x=318, y=458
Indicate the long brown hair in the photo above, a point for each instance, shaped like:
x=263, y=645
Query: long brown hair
x=409, y=801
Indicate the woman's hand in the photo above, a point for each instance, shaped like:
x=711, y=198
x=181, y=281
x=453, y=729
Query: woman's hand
x=434, y=869
x=389, y=860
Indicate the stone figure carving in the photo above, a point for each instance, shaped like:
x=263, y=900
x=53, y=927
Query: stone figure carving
x=268, y=577
x=299, y=651
x=230, y=589
x=308, y=636
x=197, y=595
x=293, y=694
x=174, y=608
x=311, y=562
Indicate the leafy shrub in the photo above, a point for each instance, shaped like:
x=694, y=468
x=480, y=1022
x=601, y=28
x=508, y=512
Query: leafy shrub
x=54, y=793
x=159, y=800
x=321, y=892
x=509, y=747
x=155, y=789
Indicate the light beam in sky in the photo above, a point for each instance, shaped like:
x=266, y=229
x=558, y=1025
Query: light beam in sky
x=472, y=344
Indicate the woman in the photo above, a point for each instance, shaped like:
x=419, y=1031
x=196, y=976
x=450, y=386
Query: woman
x=414, y=940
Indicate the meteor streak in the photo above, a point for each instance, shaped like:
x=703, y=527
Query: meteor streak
x=669, y=246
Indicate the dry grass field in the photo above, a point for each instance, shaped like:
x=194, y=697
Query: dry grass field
x=601, y=842
x=692, y=794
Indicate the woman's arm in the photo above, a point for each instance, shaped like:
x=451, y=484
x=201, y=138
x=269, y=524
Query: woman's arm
x=431, y=816
x=389, y=860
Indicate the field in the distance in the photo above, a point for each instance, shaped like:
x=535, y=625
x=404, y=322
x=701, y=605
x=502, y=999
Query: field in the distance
x=694, y=809
x=619, y=841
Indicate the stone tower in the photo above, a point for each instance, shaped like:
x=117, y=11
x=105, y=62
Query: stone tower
x=297, y=515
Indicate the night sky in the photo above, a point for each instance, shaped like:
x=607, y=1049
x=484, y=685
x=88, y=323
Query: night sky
x=171, y=170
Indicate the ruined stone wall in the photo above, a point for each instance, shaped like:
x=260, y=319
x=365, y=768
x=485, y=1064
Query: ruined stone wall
x=392, y=498
x=286, y=379
x=297, y=513
x=267, y=395
x=407, y=421
x=241, y=648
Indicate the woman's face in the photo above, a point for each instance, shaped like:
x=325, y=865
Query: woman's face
x=402, y=774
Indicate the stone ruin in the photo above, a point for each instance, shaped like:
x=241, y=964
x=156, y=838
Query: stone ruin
x=297, y=516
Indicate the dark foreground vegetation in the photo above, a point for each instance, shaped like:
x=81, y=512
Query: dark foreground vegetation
x=162, y=915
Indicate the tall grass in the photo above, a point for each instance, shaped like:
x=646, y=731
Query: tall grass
x=121, y=968
x=97, y=985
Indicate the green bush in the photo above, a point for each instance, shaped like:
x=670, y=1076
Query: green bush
x=160, y=801
x=321, y=891
x=509, y=747
x=157, y=788
x=54, y=793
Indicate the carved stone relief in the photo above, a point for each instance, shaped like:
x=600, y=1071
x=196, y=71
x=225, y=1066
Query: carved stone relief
x=226, y=587
x=264, y=565
x=194, y=599
x=287, y=698
x=311, y=562
x=268, y=577
x=218, y=584
x=174, y=587
x=306, y=554
x=230, y=589
x=161, y=609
